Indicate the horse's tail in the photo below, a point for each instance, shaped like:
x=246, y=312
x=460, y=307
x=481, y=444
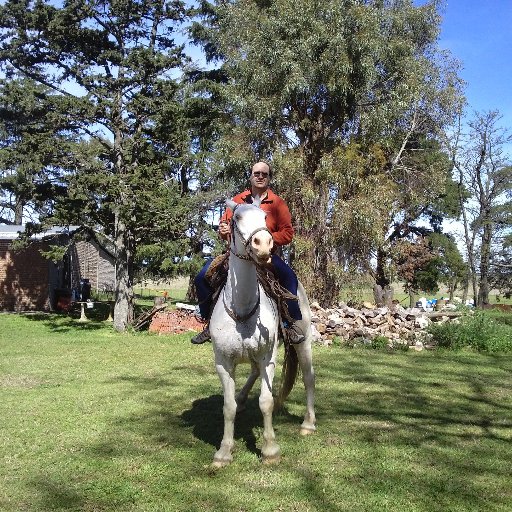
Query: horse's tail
x=288, y=375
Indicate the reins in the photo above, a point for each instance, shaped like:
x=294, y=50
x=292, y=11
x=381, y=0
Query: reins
x=234, y=315
x=246, y=257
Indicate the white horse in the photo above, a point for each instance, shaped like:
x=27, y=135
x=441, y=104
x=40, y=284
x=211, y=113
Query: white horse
x=244, y=327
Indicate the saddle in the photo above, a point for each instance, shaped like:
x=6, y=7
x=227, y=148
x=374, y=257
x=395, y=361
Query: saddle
x=217, y=275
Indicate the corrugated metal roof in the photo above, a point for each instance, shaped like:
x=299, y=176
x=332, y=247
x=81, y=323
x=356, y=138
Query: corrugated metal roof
x=11, y=232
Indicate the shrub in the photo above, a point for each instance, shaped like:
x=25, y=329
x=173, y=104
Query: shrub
x=478, y=331
x=380, y=342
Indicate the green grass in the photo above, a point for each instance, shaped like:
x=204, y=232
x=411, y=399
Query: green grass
x=93, y=420
x=484, y=331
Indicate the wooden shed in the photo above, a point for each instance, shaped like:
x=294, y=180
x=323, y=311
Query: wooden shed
x=29, y=281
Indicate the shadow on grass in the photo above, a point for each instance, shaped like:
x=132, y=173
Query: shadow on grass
x=63, y=323
x=448, y=403
x=206, y=419
x=56, y=495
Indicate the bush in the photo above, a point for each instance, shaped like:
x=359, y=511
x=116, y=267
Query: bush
x=380, y=342
x=478, y=331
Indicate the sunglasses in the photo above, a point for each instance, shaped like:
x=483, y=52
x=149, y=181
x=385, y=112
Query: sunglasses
x=260, y=174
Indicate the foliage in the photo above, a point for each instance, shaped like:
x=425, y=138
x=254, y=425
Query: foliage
x=450, y=264
x=110, y=64
x=417, y=266
x=34, y=146
x=306, y=83
x=501, y=272
x=482, y=167
x=478, y=331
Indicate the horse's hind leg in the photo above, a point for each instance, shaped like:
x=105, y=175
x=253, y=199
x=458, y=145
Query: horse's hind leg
x=223, y=455
x=304, y=354
x=270, y=449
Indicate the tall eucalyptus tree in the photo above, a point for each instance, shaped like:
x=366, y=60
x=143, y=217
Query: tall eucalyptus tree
x=307, y=82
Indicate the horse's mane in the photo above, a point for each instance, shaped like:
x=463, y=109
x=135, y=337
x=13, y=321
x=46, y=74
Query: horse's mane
x=256, y=200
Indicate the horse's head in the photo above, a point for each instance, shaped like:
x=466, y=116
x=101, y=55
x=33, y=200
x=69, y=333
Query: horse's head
x=251, y=237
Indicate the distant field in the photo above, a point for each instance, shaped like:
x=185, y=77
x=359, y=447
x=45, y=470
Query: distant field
x=177, y=289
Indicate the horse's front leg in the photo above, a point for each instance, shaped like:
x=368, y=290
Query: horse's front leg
x=223, y=455
x=270, y=449
x=241, y=397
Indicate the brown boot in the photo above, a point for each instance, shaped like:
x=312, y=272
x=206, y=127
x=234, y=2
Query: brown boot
x=201, y=337
x=294, y=334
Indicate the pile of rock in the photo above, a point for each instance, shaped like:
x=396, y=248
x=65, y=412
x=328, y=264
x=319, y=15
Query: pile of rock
x=399, y=325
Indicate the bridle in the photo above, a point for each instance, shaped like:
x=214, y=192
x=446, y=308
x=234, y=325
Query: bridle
x=246, y=241
x=247, y=257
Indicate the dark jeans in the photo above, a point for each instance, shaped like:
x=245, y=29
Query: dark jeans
x=285, y=275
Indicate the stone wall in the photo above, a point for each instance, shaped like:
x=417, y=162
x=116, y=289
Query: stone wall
x=399, y=325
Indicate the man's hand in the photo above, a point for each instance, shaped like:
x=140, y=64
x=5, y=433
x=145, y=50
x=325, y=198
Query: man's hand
x=224, y=229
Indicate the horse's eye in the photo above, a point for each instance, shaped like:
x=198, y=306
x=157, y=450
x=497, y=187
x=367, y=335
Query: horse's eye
x=238, y=217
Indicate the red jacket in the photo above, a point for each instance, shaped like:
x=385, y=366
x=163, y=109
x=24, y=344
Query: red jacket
x=279, y=219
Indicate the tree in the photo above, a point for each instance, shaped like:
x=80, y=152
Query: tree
x=111, y=65
x=483, y=170
x=451, y=266
x=32, y=144
x=501, y=271
x=384, y=204
x=417, y=266
x=302, y=80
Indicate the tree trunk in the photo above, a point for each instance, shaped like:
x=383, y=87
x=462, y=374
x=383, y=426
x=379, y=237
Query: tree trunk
x=412, y=302
x=382, y=291
x=191, y=295
x=312, y=254
x=485, y=257
x=124, y=300
x=465, y=287
x=18, y=212
x=452, y=286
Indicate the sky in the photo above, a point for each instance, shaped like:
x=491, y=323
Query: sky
x=479, y=34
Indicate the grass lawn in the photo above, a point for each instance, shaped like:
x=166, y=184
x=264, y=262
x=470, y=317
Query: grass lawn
x=93, y=420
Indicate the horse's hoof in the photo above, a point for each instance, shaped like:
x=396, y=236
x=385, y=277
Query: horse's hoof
x=218, y=463
x=306, y=431
x=222, y=457
x=274, y=459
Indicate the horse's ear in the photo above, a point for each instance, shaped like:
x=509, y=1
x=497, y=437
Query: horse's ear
x=230, y=203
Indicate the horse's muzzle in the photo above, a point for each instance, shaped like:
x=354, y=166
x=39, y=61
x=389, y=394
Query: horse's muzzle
x=261, y=246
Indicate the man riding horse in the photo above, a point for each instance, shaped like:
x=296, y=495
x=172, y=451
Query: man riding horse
x=278, y=222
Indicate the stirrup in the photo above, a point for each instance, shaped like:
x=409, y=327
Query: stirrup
x=201, y=337
x=294, y=334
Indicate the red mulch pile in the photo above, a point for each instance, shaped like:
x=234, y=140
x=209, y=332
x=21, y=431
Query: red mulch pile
x=175, y=322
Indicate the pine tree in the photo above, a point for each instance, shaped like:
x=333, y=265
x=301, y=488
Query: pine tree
x=113, y=66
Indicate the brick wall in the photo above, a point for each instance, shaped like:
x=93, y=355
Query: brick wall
x=24, y=278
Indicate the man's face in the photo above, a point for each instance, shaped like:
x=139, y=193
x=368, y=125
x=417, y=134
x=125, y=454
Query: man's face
x=260, y=176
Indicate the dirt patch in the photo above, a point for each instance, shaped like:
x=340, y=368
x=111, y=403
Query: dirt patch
x=19, y=381
x=175, y=322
